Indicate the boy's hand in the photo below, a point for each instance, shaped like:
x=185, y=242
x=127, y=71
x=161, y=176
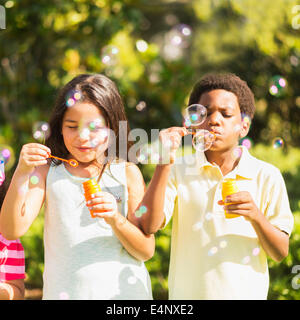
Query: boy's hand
x=31, y=156
x=171, y=139
x=241, y=203
x=104, y=205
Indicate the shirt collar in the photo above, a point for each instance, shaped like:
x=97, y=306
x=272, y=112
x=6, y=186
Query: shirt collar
x=243, y=171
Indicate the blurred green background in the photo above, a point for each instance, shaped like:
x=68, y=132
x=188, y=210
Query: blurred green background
x=155, y=51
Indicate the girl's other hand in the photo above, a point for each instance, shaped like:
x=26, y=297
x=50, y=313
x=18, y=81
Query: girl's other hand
x=31, y=156
x=104, y=205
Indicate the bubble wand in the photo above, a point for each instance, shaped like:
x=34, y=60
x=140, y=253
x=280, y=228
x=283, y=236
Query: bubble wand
x=71, y=162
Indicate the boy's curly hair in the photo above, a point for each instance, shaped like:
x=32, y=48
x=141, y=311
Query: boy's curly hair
x=229, y=82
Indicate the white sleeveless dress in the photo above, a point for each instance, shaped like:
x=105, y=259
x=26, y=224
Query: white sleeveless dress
x=83, y=257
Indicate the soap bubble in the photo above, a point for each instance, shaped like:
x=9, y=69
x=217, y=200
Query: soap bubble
x=141, y=45
x=7, y=156
x=194, y=115
x=197, y=226
x=246, y=260
x=246, y=118
x=34, y=179
x=110, y=55
x=180, y=35
x=144, y=154
x=277, y=143
x=203, y=140
x=141, y=106
x=212, y=251
x=278, y=86
x=153, y=153
x=208, y=216
x=141, y=210
x=223, y=244
x=246, y=142
x=236, y=153
x=256, y=251
x=175, y=41
x=64, y=296
x=41, y=131
x=294, y=60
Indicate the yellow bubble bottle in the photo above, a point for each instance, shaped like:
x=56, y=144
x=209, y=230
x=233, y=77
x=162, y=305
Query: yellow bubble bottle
x=229, y=186
x=90, y=187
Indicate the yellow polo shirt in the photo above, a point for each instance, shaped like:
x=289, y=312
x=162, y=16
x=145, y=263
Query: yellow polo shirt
x=213, y=257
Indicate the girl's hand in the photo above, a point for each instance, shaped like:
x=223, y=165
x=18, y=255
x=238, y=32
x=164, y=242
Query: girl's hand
x=241, y=203
x=104, y=205
x=31, y=156
x=171, y=139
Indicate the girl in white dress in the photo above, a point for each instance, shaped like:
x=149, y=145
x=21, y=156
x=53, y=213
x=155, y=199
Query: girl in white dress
x=85, y=257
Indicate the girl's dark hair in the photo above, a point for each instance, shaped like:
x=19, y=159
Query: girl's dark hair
x=229, y=82
x=100, y=91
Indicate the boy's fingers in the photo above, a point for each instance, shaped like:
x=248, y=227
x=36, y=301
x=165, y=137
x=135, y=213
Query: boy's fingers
x=239, y=197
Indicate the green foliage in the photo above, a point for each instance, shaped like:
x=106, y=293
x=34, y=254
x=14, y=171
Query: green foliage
x=281, y=276
x=46, y=43
x=33, y=245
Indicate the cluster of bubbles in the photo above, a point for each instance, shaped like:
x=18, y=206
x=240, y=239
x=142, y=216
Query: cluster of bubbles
x=213, y=250
x=95, y=131
x=109, y=55
x=202, y=140
x=277, y=143
x=255, y=252
x=278, y=86
x=72, y=97
x=41, y=131
x=176, y=41
x=223, y=244
x=151, y=153
x=194, y=116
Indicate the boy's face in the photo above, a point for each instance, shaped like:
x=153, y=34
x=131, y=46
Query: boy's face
x=224, y=119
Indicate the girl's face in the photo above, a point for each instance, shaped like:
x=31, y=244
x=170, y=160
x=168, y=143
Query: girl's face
x=81, y=129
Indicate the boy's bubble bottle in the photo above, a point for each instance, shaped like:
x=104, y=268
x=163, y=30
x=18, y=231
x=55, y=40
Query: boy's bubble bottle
x=90, y=187
x=229, y=186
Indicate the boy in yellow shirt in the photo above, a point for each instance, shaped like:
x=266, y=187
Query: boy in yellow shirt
x=213, y=257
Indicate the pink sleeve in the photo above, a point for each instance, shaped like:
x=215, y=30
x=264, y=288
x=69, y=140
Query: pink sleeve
x=12, y=259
